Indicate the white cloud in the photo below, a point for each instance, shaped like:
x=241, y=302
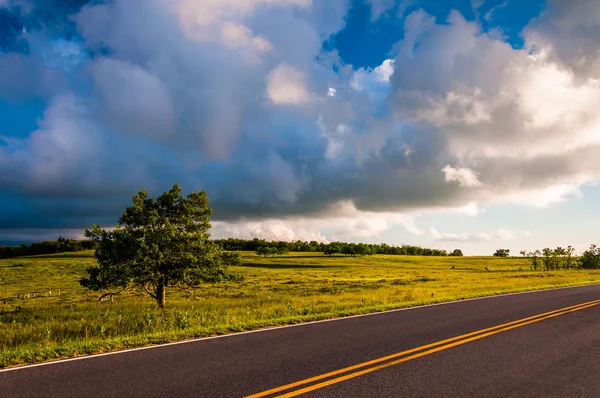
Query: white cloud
x=237, y=36
x=224, y=21
x=545, y=196
x=367, y=79
x=458, y=108
x=197, y=17
x=287, y=86
x=346, y=220
x=527, y=122
x=335, y=138
x=65, y=139
x=267, y=229
x=463, y=175
x=331, y=92
x=343, y=221
x=567, y=32
x=499, y=235
x=470, y=209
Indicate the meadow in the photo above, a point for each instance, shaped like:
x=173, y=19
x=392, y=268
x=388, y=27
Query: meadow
x=45, y=314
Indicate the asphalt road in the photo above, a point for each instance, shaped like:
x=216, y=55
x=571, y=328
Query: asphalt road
x=554, y=357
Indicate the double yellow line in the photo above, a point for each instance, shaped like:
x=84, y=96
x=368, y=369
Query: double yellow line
x=351, y=372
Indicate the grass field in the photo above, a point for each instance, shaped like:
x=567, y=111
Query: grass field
x=38, y=324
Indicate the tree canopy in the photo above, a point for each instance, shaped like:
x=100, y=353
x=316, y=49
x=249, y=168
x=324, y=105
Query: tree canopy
x=502, y=253
x=590, y=259
x=457, y=253
x=158, y=244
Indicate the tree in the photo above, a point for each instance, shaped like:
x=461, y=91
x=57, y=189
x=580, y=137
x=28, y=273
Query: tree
x=547, y=259
x=569, y=258
x=534, y=259
x=349, y=250
x=502, y=253
x=363, y=250
x=457, y=253
x=559, y=254
x=158, y=244
x=332, y=248
x=590, y=259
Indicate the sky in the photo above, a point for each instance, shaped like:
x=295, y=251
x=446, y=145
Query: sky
x=468, y=124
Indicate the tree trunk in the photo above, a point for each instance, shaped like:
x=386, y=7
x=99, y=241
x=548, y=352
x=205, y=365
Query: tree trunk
x=160, y=293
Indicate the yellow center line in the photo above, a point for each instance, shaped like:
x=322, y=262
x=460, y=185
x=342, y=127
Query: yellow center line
x=421, y=354
x=424, y=347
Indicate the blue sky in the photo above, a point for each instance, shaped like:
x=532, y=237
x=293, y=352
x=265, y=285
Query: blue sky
x=368, y=40
x=466, y=123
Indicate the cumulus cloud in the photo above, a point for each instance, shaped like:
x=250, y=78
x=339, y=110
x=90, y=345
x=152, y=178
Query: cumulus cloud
x=464, y=176
x=343, y=222
x=284, y=230
x=367, y=79
x=197, y=14
x=526, y=121
x=240, y=99
x=286, y=86
x=568, y=33
x=237, y=36
x=132, y=99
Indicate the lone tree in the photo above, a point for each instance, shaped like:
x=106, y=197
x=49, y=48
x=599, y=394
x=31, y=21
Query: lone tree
x=158, y=244
x=502, y=253
x=457, y=253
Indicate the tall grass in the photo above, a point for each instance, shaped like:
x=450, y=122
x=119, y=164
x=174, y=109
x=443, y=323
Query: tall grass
x=275, y=291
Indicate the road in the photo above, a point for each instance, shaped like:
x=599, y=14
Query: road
x=553, y=355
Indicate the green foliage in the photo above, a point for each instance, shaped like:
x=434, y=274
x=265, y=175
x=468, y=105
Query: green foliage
x=61, y=245
x=332, y=249
x=535, y=263
x=457, y=253
x=590, y=259
x=261, y=247
x=158, y=244
x=503, y=253
x=551, y=259
x=569, y=257
x=547, y=258
x=271, y=251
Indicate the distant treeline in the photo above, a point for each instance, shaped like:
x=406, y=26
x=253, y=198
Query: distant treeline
x=549, y=259
x=260, y=246
x=60, y=245
x=264, y=247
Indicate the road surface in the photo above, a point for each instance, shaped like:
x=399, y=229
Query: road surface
x=504, y=346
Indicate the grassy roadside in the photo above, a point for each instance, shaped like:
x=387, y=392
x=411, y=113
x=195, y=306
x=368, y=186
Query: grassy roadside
x=296, y=288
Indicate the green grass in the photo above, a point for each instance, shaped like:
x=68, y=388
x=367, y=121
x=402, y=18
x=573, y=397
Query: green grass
x=275, y=291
